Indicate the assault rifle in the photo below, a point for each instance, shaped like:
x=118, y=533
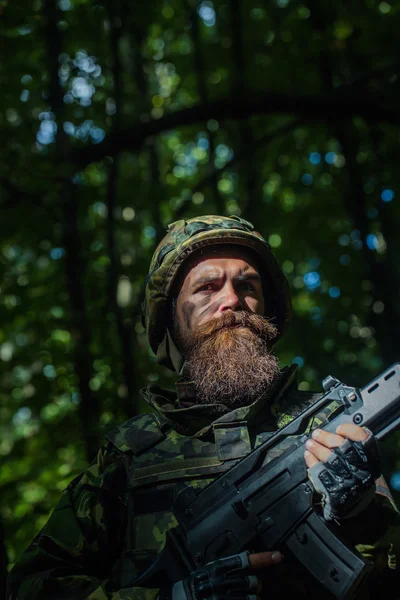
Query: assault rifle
x=270, y=502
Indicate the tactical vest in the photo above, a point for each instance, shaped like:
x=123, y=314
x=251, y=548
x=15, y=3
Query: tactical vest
x=160, y=463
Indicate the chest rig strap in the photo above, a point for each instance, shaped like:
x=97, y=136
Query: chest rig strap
x=190, y=458
x=232, y=440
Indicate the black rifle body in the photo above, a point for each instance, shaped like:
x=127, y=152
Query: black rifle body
x=270, y=501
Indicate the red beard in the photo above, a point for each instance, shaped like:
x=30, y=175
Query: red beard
x=229, y=359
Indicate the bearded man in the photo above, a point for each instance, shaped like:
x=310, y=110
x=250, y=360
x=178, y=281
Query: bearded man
x=216, y=303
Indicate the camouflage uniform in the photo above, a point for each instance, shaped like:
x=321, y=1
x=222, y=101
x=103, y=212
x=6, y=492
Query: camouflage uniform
x=111, y=521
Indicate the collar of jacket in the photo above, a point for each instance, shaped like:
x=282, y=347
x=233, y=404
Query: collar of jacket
x=197, y=419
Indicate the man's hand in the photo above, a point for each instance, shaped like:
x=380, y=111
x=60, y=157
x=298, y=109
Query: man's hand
x=343, y=467
x=226, y=577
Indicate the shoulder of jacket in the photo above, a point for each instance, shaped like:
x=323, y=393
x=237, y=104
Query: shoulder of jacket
x=140, y=433
x=291, y=404
x=295, y=401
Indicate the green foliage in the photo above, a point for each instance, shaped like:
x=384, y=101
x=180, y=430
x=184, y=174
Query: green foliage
x=117, y=118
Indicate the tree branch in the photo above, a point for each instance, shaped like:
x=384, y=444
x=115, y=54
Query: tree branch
x=243, y=154
x=324, y=107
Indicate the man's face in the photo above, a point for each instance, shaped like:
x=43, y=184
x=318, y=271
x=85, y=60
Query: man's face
x=216, y=283
x=220, y=328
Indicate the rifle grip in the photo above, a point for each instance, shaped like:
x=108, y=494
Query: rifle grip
x=340, y=569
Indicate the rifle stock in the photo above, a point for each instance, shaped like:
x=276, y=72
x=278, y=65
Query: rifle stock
x=270, y=501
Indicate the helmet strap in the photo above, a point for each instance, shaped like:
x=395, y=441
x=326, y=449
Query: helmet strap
x=169, y=355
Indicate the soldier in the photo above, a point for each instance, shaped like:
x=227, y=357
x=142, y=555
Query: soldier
x=216, y=302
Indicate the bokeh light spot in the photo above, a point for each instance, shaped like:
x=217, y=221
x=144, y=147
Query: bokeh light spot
x=49, y=372
x=168, y=12
x=128, y=213
x=315, y=158
x=344, y=240
x=330, y=158
x=298, y=360
x=307, y=179
x=198, y=198
x=339, y=161
x=395, y=481
x=24, y=97
x=372, y=241
x=22, y=415
x=384, y=8
x=57, y=253
x=288, y=266
x=100, y=209
x=47, y=132
x=6, y=351
x=97, y=134
x=149, y=232
x=387, y=195
x=312, y=280
x=257, y=14
x=334, y=292
x=303, y=12
x=275, y=240
x=21, y=339
x=207, y=13
x=124, y=292
x=378, y=307
x=212, y=125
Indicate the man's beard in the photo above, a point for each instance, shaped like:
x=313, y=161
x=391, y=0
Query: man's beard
x=229, y=358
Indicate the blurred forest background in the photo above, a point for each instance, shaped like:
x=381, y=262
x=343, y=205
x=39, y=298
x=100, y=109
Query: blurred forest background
x=117, y=118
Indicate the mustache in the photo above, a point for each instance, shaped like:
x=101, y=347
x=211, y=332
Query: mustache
x=258, y=324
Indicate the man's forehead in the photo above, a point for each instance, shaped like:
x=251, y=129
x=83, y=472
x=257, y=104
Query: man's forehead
x=216, y=257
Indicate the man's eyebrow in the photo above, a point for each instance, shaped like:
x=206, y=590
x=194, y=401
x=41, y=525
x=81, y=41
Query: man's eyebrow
x=244, y=276
x=207, y=278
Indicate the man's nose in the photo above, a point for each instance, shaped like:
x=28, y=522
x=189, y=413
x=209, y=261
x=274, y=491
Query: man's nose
x=230, y=299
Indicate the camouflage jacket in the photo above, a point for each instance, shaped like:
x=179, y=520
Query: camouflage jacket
x=111, y=521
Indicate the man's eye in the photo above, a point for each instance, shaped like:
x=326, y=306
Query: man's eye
x=207, y=287
x=248, y=286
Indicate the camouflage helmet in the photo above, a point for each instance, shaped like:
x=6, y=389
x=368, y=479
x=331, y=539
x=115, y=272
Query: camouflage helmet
x=182, y=239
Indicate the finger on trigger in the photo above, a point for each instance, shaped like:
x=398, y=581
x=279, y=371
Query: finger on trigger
x=264, y=559
x=352, y=432
x=319, y=451
x=311, y=460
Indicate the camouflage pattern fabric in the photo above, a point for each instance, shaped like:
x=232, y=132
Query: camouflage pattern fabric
x=111, y=521
x=182, y=239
